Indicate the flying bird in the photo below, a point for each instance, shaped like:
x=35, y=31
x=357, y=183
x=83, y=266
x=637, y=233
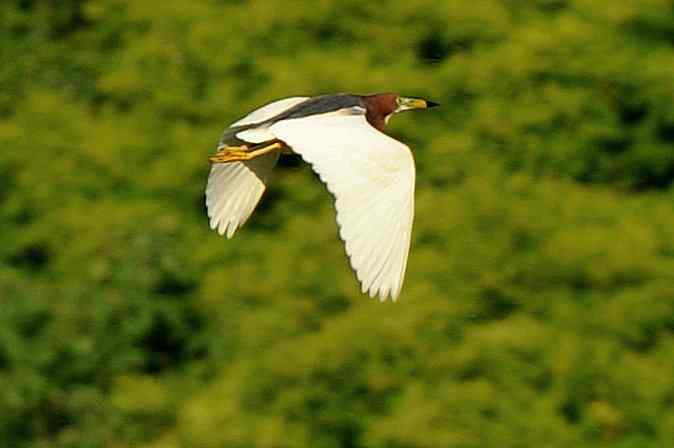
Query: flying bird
x=370, y=174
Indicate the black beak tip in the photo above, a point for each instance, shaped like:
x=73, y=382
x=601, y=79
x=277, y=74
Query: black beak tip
x=431, y=104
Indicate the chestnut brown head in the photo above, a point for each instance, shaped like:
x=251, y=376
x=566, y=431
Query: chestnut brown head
x=381, y=106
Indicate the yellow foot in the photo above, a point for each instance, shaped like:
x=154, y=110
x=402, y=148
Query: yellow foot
x=231, y=154
x=241, y=153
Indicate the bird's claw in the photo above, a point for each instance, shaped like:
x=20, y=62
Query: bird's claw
x=241, y=153
x=231, y=154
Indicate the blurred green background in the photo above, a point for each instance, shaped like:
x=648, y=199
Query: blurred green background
x=538, y=308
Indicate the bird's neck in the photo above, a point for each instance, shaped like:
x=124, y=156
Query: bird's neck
x=377, y=120
x=379, y=107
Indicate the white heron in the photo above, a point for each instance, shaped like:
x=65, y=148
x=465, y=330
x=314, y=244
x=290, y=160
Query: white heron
x=370, y=174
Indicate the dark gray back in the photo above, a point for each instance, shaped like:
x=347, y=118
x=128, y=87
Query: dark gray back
x=319, y=105
x=313, y=106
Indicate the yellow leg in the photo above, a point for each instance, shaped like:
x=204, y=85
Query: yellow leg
x=230, y=154
x=242, y=153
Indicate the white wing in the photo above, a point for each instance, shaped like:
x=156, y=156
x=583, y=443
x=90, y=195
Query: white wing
x=234, y=189
x=269, y=110
x=371, y=176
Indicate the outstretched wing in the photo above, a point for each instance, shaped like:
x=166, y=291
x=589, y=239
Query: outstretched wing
x=234, y=189
x=371, y=176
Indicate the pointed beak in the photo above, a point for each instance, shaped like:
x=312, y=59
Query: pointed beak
x=415, y=103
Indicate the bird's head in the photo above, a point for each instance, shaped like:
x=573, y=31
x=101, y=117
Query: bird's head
x=382, y=106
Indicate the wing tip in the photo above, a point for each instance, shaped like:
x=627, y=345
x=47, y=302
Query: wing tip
x=231, y=229
x=382, y=293
x=225, y=228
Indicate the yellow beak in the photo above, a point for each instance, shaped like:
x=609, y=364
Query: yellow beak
x=414, y=103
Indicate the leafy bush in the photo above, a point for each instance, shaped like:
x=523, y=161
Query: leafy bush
x=537, y=308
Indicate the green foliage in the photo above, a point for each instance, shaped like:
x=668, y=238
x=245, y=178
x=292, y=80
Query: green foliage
x=538, y=306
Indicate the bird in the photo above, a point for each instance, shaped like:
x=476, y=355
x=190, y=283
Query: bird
x=370, y=174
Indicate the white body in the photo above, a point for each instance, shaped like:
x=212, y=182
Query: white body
x=370, y=174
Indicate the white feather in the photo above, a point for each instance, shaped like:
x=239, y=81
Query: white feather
x=269, y=110
x=255, y=135
x=234, y=189
x=372, y=178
